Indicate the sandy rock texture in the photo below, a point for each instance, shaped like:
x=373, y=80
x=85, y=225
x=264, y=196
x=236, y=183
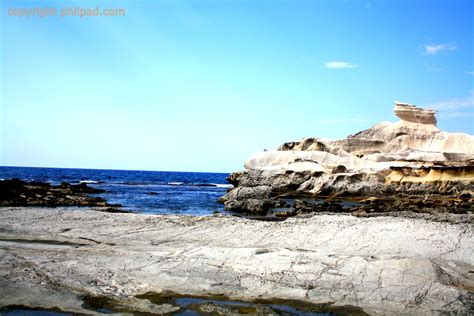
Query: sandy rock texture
x=385, y=265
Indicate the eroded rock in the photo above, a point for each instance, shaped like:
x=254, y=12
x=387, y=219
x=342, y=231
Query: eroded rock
x=411, y=157
x=384, y=265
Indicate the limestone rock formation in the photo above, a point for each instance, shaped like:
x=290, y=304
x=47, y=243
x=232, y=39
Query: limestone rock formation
x=411, y=156
x=409, y=113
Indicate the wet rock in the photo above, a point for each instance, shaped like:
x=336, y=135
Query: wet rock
x=252, y=206
x=302, y=206
x=285, y=213
x=16, y=192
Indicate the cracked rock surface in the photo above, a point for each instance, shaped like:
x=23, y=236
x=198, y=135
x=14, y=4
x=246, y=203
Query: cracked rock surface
x=51, y=258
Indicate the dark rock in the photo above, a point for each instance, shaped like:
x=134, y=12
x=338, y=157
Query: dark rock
x=16, y=192
x=302, y=206
x=251, y=206
x=65, y=185
x=307, y=207
x=113, y=210
x=84, y=188
x=285, y=213
x=339, y=169
x=464, y=195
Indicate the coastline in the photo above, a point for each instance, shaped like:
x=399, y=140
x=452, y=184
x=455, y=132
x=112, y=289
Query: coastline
x=53, y=257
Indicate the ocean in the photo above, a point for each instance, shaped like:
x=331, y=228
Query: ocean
x=149, y=192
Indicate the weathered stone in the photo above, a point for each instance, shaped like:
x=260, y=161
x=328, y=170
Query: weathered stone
x=410, y=157
x=413, y=114
x=385, y=265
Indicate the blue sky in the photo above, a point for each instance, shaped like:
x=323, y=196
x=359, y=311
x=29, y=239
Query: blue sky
x=201, y=85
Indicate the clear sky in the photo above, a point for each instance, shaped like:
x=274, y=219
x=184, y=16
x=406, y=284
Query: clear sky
x=201, y=85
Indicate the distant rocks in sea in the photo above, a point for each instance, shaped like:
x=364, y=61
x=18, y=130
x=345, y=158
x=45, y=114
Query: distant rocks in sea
x=410, y=165
x=16, y=192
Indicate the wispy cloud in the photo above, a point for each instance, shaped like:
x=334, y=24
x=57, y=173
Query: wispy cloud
x=454, y=104
x=339, y=64
x=456, y=108
x=341, y=121
x=434, y=49
x=470, y=72
x=458, y=114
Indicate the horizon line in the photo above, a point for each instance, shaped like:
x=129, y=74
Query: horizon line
x=79, y=168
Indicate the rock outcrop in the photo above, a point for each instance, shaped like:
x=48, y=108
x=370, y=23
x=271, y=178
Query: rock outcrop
x=410, y=157
x=16, y=192
x=410, y=113
x=55, y=258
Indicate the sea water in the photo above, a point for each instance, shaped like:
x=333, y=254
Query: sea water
x=150, y=192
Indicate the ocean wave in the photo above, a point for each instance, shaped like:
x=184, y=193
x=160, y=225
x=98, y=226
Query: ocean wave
x=90, y=181
x=134, y=183
x=220, y=185
x=215, y=185
x=175, y=183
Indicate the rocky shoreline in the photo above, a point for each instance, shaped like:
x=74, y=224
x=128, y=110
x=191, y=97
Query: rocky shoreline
x=16, y=192
x=408, y=168
x=55, y=258
x=380, y=223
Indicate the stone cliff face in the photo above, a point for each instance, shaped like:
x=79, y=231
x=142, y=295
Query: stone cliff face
x=411, y=156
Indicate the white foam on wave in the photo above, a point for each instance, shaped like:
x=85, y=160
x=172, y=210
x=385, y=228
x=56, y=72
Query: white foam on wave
x=175, y=183
x=220, y=185
x=89, y=181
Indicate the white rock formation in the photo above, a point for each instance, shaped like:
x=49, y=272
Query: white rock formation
x=413, y=142
x=409, y=114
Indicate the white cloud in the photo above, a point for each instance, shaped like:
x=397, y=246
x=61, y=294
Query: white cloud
x=456, y=108
x=434, y=49
x=339, y=64
x=453, y=105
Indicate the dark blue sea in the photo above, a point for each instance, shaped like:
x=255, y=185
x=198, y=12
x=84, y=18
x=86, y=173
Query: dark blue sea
x=152, y=192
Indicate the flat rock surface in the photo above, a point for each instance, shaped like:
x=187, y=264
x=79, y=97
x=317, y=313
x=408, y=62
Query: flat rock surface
x=52, y=258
